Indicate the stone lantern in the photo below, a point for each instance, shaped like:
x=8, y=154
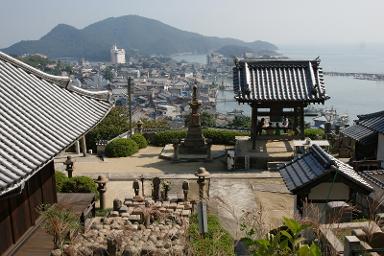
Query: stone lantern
x=101, y=182
x=201, y=175
x=69, y=166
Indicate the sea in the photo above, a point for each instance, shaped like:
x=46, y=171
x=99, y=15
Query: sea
x=347, y=95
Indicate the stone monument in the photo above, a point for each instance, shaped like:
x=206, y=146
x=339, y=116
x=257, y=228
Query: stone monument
x=194, y=143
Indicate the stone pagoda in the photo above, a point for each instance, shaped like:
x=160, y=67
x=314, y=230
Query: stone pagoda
x=195, y=143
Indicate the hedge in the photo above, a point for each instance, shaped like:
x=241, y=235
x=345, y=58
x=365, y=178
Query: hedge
x=167, y=137
x=61, y=178
x=121, y=147
x=140, y=140
x=79, y=184
x=223, y=137
x=314, y=133
x=216, y=242
x=218, y=136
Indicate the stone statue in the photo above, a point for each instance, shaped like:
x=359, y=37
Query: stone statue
x=117, y=204
x=69, y=166
x=136, y=187
x=185, y=188
x=156, y=189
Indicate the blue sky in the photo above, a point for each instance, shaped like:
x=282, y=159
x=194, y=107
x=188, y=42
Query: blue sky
x=296, y=22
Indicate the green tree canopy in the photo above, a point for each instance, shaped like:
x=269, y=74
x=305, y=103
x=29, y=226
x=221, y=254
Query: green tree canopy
x=114, y=124
x=241, y=122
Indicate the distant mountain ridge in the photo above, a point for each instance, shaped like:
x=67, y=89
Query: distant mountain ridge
x=130, y=32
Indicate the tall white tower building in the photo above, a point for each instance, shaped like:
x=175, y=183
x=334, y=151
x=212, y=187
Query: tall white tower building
x=117, y=55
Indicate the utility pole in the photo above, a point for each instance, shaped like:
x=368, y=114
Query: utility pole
x=129, y=102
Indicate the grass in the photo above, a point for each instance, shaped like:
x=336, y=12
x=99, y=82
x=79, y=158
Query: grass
x=216, y=242
x=342, y=233
x=102, y=212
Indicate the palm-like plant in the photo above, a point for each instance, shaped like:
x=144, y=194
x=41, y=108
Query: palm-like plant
x=285, y=242
x=59, y=222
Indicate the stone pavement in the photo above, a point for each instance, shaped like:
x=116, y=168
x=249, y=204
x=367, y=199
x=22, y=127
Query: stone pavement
x=147, y=163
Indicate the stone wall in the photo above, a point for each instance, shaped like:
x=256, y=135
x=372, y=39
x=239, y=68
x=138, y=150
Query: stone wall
x=136, y=228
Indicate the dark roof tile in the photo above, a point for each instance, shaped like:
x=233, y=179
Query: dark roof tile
x=40, y=116
x=313, y=165
x=263, y=80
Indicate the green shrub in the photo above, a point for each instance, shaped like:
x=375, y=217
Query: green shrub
x=223, y=137
x=314, y=133
x=216, y=242
x=167, y=137
x=285, y=242
x=60, y=178
x=220, y=137
x=121, y=147
x=140, y=140
x=79, y=184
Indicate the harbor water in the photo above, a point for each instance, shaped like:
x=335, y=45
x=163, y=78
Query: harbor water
x=347, y=95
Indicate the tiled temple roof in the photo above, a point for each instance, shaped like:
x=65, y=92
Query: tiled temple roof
x=366, y=128
x=315, y=164
x=40, y=116
x=274, y=80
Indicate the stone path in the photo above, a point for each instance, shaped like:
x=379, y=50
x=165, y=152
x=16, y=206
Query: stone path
x=146, y=162
x=230, y=199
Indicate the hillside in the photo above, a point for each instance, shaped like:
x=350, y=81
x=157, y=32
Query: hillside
x=130, y=32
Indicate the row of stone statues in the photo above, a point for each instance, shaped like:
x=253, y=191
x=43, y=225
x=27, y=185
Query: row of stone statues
x=160, y=189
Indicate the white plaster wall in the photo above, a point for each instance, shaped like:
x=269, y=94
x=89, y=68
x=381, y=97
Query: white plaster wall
x=339, y=191
x=380, y=149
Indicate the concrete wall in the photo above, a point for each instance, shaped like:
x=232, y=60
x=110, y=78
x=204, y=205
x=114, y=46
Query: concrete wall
x=380, y=149
x=339, y=191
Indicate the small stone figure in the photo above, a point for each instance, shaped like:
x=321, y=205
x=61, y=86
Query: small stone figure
x=156, y=188
x=185, y=188
x=166, y=188
x=69, y=166
x=136, y=187
x=112, y=248
x=117, y=204
x=142, y=184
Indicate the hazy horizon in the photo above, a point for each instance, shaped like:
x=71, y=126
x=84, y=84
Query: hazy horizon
x=281, y=22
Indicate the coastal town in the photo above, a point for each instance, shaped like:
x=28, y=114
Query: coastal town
x=232, y=148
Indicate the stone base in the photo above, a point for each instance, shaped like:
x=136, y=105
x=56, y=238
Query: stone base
x=168, y=153
x=194, y=149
